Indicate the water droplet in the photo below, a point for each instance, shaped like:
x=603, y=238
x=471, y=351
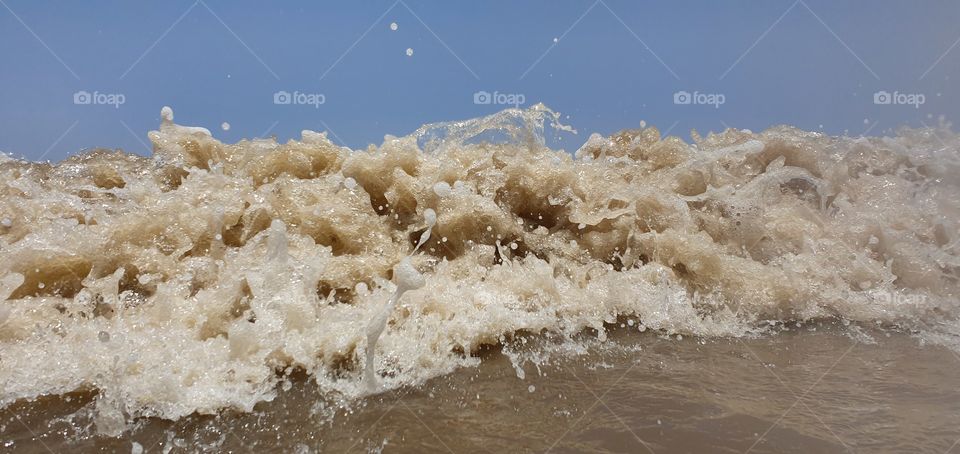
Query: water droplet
x=442, y=189
x=409, y=51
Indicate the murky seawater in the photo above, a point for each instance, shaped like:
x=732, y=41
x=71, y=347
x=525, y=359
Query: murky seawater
x=811, y=389
x=466, y=287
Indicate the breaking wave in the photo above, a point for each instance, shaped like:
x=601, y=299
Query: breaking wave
x=201, y=277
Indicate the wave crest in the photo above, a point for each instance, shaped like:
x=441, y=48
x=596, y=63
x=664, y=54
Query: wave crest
x=200, y=277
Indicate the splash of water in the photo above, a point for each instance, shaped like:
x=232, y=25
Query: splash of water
x=198, y=278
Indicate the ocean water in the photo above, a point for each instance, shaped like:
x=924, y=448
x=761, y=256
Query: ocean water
x=491, y=291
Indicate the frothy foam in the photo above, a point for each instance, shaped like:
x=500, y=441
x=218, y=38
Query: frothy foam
x=199, y=278
x=407, y=278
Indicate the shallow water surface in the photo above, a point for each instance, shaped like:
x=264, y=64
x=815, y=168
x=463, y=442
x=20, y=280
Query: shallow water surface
x=813, y=389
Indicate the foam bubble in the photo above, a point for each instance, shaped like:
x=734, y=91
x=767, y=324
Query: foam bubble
x=430, y=218
x=442, y=189
x=349, y=183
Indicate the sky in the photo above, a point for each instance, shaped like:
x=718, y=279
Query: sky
x=82, y=75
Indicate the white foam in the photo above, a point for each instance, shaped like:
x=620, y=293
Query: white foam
x=406, y=278
x=277, y=241
x=430, y=218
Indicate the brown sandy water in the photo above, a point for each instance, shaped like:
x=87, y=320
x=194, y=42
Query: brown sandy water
x=810, y=389
x=464, y=287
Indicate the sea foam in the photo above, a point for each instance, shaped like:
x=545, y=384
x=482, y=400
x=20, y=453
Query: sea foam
x=196, y=279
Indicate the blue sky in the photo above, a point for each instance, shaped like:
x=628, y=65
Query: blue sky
x=614, y=64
